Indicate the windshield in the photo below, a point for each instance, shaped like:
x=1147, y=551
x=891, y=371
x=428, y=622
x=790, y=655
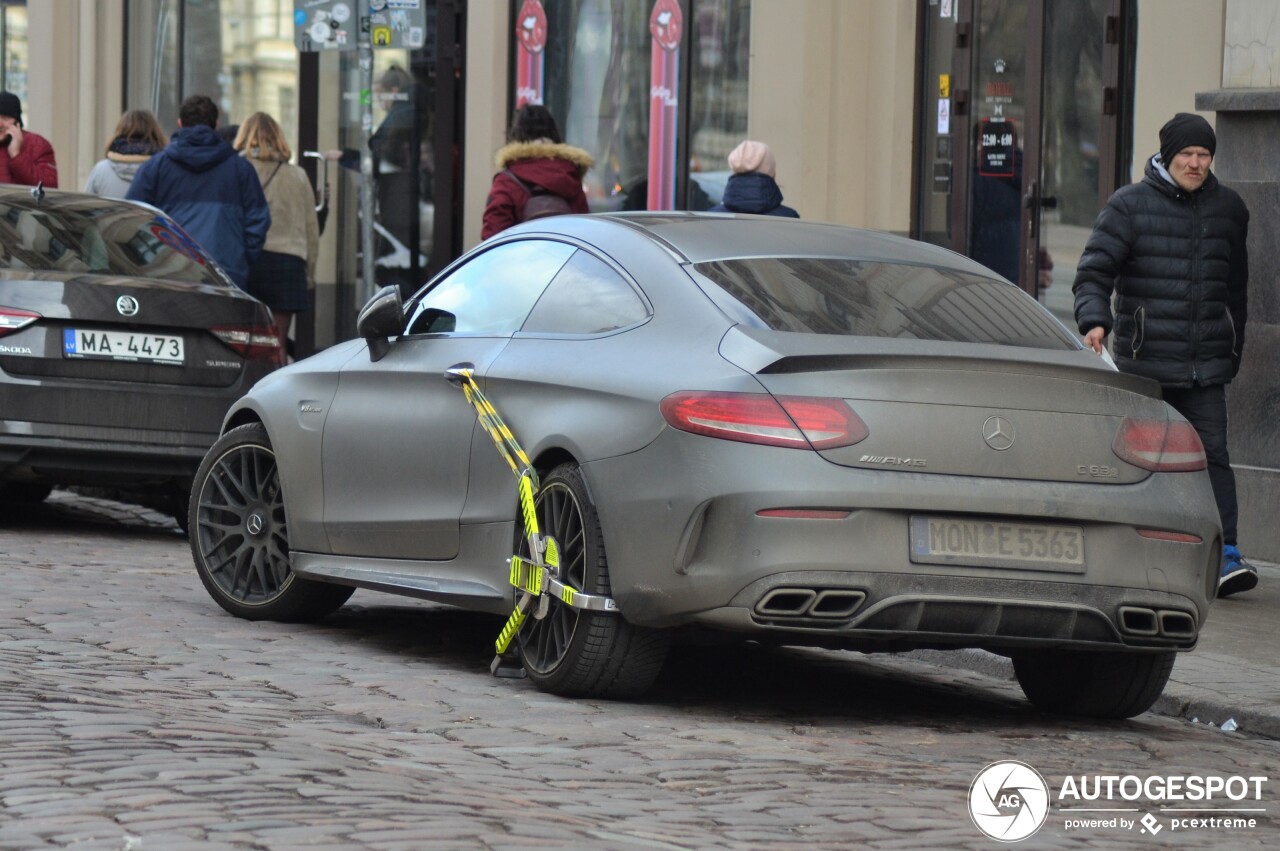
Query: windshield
x=101, y=240
x=869, y=298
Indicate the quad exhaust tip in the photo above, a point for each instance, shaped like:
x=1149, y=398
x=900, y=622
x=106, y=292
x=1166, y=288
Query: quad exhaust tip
x=1167, y=623
x=822, y=603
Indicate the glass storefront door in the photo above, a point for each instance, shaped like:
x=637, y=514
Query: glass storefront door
x=415, y=143
x=242, y=53
x=1074, y=124
x=1021, y=138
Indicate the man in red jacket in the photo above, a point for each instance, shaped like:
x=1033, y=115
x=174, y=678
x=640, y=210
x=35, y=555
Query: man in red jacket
x=25, y=158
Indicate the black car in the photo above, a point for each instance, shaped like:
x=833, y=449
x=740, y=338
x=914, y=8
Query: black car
x=122, y=344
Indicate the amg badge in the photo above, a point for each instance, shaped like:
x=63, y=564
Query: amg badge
x=892, y=461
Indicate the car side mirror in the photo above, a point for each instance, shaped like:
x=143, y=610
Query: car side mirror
x=380, y=319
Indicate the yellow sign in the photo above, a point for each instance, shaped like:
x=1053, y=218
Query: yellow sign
x=382, y=36
x=944, y=85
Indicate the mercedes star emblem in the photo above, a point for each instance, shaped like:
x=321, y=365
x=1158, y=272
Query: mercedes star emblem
x=254, y=523
x=998, y=433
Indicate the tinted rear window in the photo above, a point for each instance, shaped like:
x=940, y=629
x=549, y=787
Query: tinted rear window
x=864, y=298
x=101, y=240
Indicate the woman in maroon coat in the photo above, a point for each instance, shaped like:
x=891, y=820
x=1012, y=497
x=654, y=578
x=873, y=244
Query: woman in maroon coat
x=25, y=158
x=540, y=162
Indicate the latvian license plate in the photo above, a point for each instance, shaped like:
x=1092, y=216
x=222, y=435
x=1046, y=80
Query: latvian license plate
x=134, y=346
x=992, y=543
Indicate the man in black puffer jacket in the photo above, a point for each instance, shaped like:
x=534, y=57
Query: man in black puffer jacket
x=1172, y=249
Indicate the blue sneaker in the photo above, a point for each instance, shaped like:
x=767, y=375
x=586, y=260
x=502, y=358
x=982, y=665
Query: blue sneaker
x=1237, y=574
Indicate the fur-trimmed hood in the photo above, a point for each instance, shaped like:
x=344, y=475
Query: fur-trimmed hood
x=529, y=168
x=134, y=159
x=542, y=149
x=556, y=167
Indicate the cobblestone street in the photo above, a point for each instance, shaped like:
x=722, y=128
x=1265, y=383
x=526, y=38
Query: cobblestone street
x=136, y=714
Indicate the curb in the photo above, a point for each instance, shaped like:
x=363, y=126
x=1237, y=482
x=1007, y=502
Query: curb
x=1178, y=700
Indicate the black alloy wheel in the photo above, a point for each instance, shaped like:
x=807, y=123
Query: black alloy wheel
x=240, y=536
x=576, y=652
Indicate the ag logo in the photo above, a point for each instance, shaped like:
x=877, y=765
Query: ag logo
x=1009, y=801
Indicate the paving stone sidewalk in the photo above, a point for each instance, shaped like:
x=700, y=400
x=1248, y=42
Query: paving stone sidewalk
x=1232, y=677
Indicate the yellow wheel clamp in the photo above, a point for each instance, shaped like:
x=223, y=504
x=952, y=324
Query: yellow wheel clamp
x=537, y=578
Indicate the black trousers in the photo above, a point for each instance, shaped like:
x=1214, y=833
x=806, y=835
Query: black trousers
x=1206, y=409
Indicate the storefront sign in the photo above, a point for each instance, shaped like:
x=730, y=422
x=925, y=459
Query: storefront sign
x=666, y=25
x=997, y=141
x=531, y=40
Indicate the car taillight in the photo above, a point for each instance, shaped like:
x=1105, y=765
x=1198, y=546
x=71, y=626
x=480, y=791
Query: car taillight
x=799, y=422
x=1165, y=446
x=256, y=342
x=12, y=319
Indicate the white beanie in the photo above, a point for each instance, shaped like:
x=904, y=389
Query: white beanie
x=753, y=156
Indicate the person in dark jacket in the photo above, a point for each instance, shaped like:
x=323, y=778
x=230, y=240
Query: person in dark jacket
x=753, y=188
x=540, y=160
x=26, y=158
x=1172, y=251
x=203, y=185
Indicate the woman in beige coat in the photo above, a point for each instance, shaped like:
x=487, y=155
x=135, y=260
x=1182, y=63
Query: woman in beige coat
x=284, y=274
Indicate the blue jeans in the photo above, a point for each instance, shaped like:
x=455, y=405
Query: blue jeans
x=1206, y=409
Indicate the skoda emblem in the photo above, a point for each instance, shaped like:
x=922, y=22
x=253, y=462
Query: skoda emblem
x=254, y=524
x=998, y=433
x=127, y=305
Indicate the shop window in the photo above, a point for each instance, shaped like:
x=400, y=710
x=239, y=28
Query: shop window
x=13, y=44
x=721, y=44
x=238, y=52
x=595, y=68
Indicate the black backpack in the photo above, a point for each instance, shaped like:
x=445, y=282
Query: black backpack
x=540, y=203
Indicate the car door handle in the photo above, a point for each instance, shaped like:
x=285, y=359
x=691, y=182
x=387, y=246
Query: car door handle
x=457, y=374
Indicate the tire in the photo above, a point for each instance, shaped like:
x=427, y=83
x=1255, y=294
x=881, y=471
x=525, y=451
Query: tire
x=577, y=653
x=1096, y=685
x=26, y=493
x=247, y=572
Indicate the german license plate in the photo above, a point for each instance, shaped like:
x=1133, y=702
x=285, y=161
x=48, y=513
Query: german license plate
x=993, y=543
x=134, y=346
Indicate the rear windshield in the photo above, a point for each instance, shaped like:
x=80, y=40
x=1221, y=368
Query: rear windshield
x=867, y=298
x=101, y=240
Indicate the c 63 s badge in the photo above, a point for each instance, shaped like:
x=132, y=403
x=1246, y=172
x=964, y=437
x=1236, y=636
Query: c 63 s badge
x=1098, y=471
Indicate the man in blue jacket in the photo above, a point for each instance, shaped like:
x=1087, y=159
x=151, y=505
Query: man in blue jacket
x=203, y=185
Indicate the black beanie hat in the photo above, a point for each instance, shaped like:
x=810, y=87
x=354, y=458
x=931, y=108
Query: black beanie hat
x=1184, y=130
x=11, y=106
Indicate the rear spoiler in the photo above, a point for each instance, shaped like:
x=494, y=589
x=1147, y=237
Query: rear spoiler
x=765, y=352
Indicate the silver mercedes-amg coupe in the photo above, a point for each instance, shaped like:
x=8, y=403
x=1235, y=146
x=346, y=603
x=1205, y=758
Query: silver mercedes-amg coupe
x=787, y=431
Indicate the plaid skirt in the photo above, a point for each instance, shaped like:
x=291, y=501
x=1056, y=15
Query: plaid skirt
x=279, y=281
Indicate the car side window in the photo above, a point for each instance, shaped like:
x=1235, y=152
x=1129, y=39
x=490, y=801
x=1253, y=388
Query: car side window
x=586, y=297
x=492, y=292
